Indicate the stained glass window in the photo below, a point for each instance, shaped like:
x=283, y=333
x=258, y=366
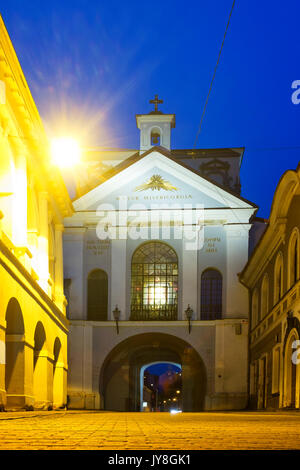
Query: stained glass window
x=154, y=282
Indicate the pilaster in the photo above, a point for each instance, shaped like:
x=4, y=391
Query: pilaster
x=118, y=278
x=2, y=366
x=43, y=257
x=188, y=281
x=19, y=219
x=58, y=268
x=236, y=295
x=74, y=249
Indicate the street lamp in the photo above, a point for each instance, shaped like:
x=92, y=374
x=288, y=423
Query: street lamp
x=65, y=152
x=189, y=314
x=117, y=314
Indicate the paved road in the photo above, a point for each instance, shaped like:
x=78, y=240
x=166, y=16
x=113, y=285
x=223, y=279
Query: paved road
x=154, y=431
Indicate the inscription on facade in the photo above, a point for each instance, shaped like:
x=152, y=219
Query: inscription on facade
x=97, y=247
x=211, y=244
x=155, y=198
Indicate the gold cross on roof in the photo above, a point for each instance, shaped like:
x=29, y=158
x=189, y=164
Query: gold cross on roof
x=156, y=101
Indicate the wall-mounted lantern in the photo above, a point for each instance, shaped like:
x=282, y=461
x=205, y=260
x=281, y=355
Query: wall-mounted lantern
x=189, y=314
x=117, y=314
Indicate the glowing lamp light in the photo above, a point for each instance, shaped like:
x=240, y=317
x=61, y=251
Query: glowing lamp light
x=65, y=152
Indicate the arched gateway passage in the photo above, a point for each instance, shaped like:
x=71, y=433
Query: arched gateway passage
x=120, y=374
x=160, y=386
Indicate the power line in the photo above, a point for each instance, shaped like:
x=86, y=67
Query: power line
x=272, y=148
x=213, y=78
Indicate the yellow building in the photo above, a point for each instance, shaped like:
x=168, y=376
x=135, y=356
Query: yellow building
x=272, y=276
x=33, y=203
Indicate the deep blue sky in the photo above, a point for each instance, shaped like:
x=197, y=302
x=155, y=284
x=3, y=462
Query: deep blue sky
x=163, y=367
x=92, y=65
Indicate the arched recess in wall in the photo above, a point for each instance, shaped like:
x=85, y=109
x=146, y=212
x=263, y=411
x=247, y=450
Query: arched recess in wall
x=293, y=258
x=291, y=382
x=40, y=367
x=15, y=355
x=264, y=296
x=211, y=294
x=97, y=295
x=155, y=136
x=278, y=278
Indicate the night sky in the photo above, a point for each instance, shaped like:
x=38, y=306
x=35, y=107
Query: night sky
x=92, y=65
x=163, y=367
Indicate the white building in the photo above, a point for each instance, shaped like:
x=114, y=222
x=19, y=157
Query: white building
x=154, y=231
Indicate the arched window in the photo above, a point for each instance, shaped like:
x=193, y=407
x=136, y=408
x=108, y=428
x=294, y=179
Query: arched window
x=211, y=295
x=254, y=308
x=155, y=136
x=264, y=305
x=278, y=278
x=154, y=282
x=293, y=258
x=97, y=295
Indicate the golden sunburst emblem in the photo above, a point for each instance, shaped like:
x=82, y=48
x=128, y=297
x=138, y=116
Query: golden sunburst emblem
x=156, y=182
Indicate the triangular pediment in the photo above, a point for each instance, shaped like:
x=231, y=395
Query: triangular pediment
x=156, y=178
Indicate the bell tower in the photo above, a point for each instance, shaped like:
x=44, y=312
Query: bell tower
x=155, y=127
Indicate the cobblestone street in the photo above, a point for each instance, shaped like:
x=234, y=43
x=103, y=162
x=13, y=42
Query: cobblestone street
x=153, y=431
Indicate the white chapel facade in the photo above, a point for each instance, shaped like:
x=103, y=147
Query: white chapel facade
x=152, y=254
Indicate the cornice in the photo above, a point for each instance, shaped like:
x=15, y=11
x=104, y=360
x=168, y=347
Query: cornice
x=18, y=272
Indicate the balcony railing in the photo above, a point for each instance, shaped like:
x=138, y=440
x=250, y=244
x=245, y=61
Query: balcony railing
x=147, y=313
x=280, y=308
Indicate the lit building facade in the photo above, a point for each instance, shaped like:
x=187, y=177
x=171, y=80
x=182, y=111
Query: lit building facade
x=272, y=276
x=142, y=287
x=33, y=203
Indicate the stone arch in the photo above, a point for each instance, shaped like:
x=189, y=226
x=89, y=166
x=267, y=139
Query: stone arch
x=278, y=278
x=142, y=370
x=120, y=373
x=291, y=372
x=293, y=265
x=283, y=196
x=15, y=355
x=40, y=367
